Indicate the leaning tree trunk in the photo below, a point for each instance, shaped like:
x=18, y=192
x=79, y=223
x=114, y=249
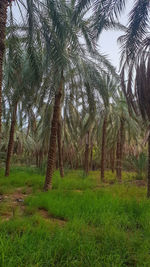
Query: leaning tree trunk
x=120, y=150
x=53, y=139
x=103, y=149
x=60, y=151
x=11, y=141
x=3, y=19
x=86, y=159
x=148, y=176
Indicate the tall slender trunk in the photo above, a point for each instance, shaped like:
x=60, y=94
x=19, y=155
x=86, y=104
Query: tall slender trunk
x=120, y=150
x=63, y=152
x=11, y=141
x=148, y=175
x=103, y=149
x=59, y=141
x=112, y=159
x=3, y=19
x=40, y=159
x=117, y=152
x=70, y=159
x=52, y=142
x=56, y=162
x=91, y=157
x=86, y=159
x=37, y=159
x=77, y=163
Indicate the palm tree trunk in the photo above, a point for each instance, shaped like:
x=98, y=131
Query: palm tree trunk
x=60, y=154
x=86, y=162
x=40, y=159
x=112, y=159
x=148, y=176
x=37, y=159
x=117, y=152
x=120, y=150
x=91, y=157
x=52, y=143
x=11, y=141
x=3, y=19
x=103, y=149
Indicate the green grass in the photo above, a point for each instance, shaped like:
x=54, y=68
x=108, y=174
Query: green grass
x=104, y=224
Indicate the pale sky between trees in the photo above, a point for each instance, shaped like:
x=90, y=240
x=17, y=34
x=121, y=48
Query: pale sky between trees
x=108, y=40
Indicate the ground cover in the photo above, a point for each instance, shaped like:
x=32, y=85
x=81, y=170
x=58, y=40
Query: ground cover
x=81, y=222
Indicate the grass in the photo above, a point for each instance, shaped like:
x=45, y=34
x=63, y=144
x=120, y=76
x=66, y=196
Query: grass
x=104, y=225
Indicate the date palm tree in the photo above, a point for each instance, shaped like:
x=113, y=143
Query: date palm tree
x=136, y=49
x=4, y=4
x=20, y=81
x=135, y=63
x=66, y=53
x=110, y=86
x=3, y=19
x=138, y=96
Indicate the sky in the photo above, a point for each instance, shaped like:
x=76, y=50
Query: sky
x=108, y=40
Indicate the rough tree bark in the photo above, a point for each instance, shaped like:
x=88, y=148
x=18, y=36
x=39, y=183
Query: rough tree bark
x=53, y=139
x=3, y=19
x=103, y=149
x=148, y=175
x=11, y=141
x=86, y=159
x=60, y=151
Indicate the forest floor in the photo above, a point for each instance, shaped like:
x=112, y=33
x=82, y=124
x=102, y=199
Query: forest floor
x=81, y=222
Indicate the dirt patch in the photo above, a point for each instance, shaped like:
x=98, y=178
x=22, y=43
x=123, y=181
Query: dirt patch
x=13, y=204
x=49, y=217
x=15, y=198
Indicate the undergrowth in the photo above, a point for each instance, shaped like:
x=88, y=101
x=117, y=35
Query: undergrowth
x=104, y=224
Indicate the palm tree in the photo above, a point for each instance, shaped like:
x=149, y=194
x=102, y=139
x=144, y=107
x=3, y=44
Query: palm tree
x=103, y=146
x=12, y=79
x=3, y=20
x=119, y=150
x=122, y=129
x=11, y=140
x=60, y=150
x=139, y=98
x=110, y=86
x=135, y=64
x=66, y=54
x=28, y=26
x=87, y=152
x=20, y=81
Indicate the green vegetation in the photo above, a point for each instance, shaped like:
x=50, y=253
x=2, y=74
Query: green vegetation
x=81, y=222
x=74, y=135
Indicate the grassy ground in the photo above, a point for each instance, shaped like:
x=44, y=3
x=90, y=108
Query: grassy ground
x=81, y=222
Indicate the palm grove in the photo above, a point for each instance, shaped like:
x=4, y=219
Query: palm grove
x=62, y=104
